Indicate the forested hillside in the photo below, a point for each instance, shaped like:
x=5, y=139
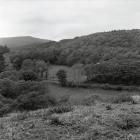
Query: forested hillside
x=88, y=49
x=98, y=48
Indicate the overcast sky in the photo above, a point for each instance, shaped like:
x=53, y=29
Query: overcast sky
x=58, y=19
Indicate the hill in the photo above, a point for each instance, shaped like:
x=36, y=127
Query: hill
x=89, y=49
x=101, y=121
x=21, y=41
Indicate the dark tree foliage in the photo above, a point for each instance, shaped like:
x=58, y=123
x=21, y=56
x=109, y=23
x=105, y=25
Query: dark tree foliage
x=8, y=88
x=2, y=63
x=3, y=50
x=10, y=74
x=12, y=89
x=33, y=101
x=28, y=75
x=27, y=64
x=24, y=95
x=16, y=60
x=62, y=77
x=87, y=49
x=120, y=72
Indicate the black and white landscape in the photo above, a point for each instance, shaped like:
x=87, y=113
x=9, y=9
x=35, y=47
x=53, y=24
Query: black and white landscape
x=69, y=70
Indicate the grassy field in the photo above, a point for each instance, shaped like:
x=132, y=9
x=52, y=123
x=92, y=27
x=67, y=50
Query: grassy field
x=77, y=94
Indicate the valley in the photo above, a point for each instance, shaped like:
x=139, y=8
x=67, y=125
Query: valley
x=85, y=88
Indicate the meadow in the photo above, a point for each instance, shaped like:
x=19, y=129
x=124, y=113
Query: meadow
x=77, y=94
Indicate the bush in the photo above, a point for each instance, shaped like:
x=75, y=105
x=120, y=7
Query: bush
x=122, y=98
x=24, y=95
x=25, y=87
x=107, y=134
x=8, y=88
x=12, y=89
x=90, y=100
x=71, y=84
x=127, y=121
x=28, y=76
x=64, y=100
x=62, y=77
x=33, y=100
x=54, y=120
x=28, y=64
x=108, y=107
x=61, y=109
x=5, y=109
x=5, y=105
x=117, y=72
x=11, y=75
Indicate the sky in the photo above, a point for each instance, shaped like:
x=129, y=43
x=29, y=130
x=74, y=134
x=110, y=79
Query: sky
x=61, y=19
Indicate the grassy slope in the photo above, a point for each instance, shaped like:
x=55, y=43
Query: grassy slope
x=83, y=123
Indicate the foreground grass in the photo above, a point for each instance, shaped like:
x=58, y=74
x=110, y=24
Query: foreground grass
x=101, y=121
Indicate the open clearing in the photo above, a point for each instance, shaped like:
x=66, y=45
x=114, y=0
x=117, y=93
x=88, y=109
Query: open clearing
x=77, y=94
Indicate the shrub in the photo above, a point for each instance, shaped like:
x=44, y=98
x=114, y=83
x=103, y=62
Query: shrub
x=33, y=100
x=12, y=89
x=8, y=88
x=94, y=135
x=5, y=109
x=122, y=98
x=5, y=105
x=71, y=84
x=90, y=100
x=54, y=120
x=4, y=101
x=27, y=64
x=11, y=75
x=64, y=100
x=61, y=109
x=136, y=99
x=127, y=121
x=24, y=95
x=25, y=87
x=108, y=107
x=62, y=77
x=28, y=76
x=104, y=134
x=118, y=72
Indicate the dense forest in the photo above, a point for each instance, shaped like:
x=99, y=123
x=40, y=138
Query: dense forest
x=119, y=47
x=86, y=49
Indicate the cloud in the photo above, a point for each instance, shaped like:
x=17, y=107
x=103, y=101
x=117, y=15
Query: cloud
x=57, y=19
